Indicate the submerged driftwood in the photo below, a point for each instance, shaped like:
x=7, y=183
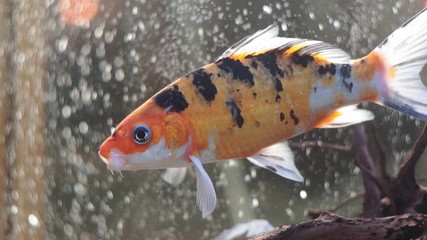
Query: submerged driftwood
x=393, y=208
x=333, y=227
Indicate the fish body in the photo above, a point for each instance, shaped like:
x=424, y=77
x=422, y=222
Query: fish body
x=261, y=91
x=239, y=115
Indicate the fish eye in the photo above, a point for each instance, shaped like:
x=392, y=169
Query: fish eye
x=141, y=134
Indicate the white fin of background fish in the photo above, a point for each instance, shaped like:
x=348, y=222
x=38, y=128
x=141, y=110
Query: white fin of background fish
x=267, y=39
x=206, y=196
x=350, y=115
x=245, y=230
x=174, y=176
x=279, y=159
x=405, y=50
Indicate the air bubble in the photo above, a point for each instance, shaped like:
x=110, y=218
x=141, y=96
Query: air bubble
x=33, y=220
x=66, y=111
x=267, y=9
x=83, y=127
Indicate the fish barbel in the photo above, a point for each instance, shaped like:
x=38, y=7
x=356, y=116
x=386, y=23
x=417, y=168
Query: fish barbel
x=261, y=91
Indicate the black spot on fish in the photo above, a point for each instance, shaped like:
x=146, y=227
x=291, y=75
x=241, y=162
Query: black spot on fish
x=322, y=70
x=271, y=168
x=278, y=97
x=257, y=124
x=203, y=83
x=332, y=69
x=327, y=68
x=302, y=60
x=345, y=71
x=282, y=117
x=171, y=99
x=384, y=42
x=235, y=113
x=254, y=64
x=278, y=85
x=254, y=94
x=294, y=117
x=349, y=85
x=315, y=89
x=269, y=60
x=289, y=71
x=240, y=72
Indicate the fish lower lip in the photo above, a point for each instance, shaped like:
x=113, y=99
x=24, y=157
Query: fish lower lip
x=116, y=161
x=105, y=160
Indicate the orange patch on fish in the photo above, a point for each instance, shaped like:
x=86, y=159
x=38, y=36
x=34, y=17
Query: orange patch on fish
x=391, y=72
x=175, y=131
x=242, y=56
x=369, y=94
x=78, y=12
x=320, y=59
x=295, y=48
x=327, y=120
x=261, y=106
x=382, y=65
x=328, y=81
x=364, y=69
x=339, y=99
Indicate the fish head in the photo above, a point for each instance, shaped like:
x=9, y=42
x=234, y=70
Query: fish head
x=148, y=138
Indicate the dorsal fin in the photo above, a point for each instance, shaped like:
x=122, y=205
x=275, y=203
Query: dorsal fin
x=252, y=42
x=266, y=40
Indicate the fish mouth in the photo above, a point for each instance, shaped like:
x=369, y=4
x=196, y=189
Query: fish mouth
x=116, y=162
x=104, y=159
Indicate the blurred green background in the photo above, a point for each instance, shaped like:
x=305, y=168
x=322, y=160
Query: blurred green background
x=65, y=84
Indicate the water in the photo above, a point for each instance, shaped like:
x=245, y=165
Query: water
x=92, y=74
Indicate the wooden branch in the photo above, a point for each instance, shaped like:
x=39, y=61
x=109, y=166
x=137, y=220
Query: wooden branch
x=333, y=227
x=406, y=174
x=372, y=197
x=409, y=193
x=381, y=150
x=316, y=212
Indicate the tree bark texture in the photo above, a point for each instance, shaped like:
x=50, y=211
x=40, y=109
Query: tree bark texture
x=332, y=227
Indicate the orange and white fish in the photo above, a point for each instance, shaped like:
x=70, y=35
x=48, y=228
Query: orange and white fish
x=261, y=91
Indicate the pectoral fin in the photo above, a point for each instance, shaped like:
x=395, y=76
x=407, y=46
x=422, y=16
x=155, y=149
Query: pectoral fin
x=279, y=159
x=206, y=196
x=175, y=176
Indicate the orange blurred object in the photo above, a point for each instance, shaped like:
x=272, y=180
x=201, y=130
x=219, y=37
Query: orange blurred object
x=78, y=12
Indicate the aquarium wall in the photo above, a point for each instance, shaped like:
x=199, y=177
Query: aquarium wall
x=71, y=70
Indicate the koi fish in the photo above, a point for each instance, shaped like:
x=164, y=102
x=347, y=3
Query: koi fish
x=261, y=91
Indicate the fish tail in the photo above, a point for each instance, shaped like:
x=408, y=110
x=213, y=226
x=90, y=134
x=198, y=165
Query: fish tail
x=402, y=68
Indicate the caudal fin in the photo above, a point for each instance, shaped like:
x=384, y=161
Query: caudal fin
x=404, y=54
